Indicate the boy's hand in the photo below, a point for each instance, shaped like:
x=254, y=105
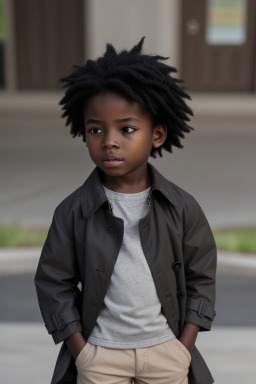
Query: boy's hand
x=75, y=343
x=189, y=335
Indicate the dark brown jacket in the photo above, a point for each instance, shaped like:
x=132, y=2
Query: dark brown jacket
x=83, y=244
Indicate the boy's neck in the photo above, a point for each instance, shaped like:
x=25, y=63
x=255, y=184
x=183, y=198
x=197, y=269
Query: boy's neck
x=126, y=184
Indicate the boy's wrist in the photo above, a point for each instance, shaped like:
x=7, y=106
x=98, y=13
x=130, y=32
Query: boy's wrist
x=75, y=344
x=189, y=335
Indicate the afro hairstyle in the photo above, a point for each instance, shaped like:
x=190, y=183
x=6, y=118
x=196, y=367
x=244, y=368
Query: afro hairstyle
x=145, y=79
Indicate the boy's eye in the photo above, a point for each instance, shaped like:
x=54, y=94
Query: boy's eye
x=94, y=131
x=128, y=130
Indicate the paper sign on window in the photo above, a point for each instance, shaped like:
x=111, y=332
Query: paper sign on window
x=226, y=22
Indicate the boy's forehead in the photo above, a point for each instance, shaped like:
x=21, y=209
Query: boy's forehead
x=113, y=102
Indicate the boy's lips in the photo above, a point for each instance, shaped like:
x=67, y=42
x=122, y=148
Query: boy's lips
x=112, y=160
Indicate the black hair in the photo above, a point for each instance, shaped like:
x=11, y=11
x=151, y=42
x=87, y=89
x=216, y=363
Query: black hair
x=145, y=79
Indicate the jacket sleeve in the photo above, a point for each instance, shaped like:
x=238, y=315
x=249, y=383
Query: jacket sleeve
x=200, y=259
x=56, y=281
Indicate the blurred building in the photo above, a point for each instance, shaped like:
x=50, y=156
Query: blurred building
x=212, y=42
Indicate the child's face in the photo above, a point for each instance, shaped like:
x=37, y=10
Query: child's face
x=119, y=135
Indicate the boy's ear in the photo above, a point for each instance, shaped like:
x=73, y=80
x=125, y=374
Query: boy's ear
x=159, y=135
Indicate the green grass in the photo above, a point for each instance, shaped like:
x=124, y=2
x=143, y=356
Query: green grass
x=236, y=239
x=18, y=236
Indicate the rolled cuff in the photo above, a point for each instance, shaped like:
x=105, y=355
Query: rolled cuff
x=70, y=329
x=201, y=313
x=60, y=320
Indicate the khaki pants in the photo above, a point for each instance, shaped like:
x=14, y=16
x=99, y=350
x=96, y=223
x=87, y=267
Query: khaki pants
x=165, y=363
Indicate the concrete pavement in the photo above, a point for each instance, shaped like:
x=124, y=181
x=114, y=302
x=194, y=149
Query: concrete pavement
x=229, y=351
x=28, y=355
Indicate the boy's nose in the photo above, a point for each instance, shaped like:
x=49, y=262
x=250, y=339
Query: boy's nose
x=109, y=142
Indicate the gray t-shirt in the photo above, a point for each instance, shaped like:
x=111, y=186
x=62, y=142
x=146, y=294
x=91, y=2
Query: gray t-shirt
x=131, y=316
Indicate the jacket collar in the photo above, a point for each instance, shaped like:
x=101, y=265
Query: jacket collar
x=161, y=184
x=93, y=195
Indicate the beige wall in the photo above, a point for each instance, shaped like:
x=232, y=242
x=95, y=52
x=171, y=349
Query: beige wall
x=124, y=22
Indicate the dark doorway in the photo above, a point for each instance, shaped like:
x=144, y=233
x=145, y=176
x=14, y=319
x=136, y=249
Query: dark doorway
x=2, y=45
x=49, y=38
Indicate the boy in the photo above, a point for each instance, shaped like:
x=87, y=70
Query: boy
x=139, y=246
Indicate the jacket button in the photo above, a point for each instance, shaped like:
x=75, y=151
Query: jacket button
x=176, y=266
x=180, y=293
x=112, y=229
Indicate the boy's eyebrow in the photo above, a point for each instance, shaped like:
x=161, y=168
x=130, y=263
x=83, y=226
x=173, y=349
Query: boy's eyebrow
x=93, y=121
x=126, y=120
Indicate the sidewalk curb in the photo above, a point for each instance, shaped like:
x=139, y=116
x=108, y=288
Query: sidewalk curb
x=238, y=264
x=19, y=260
x=204, y=104
x=25, y=260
